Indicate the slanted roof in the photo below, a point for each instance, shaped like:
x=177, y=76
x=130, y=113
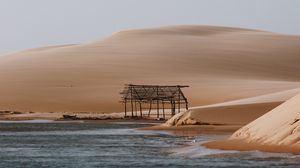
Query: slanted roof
x=148, y=93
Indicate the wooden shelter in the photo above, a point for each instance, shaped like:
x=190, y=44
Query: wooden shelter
x=144, y=97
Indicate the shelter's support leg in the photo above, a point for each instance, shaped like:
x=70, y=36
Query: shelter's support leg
x=131, y=102
x=125, y=108
x=135, y=108
x=173, y=108
x=179, y=104
x=157, y=102
x=150, y=108
x=186, y=106
x=163, y=106
x=141, y=111
x=157, y=108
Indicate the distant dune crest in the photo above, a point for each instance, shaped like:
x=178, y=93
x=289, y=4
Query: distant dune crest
x=186, y=30
x=219, y=63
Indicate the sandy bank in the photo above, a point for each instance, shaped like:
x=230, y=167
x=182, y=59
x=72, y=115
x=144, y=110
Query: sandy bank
x=278, y=129
x=18, y=116
x=242, y=145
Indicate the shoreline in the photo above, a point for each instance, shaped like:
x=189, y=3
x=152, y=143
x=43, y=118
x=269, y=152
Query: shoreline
x=242, y=145
x=194, y=130
x=19, y=116
x=186, y=130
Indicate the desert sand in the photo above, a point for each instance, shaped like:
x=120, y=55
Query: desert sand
x=276, y=131
x=219, y=63
x=238, y=112
x=280, y=126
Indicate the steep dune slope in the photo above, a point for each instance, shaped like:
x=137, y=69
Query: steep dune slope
x=276, y=131
x=280, y=126
x=219, y=63
x=239, y=112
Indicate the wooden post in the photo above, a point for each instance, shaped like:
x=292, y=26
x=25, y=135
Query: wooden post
x=186, y=105
x=125, y=108
x=163, y=106
x=172, y=107
x=157, y=102
x=150, y=108
x=179, y=103
x=135, y=109
x=141, y=112
x=131, y=100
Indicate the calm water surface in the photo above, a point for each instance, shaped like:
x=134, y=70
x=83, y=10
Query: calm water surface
x=61, y=144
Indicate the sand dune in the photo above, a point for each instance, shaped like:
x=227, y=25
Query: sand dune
x=219, y=63
x=280, y=126
x=276, y=131
x=239, y=112
x=268, y=98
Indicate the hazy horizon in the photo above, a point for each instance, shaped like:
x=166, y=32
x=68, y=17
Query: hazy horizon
x=34, y=23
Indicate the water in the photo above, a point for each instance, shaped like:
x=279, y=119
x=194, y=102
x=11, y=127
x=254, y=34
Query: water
x=85, y=144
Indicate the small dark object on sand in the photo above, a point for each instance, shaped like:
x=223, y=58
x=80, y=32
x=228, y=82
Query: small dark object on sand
x=70, y=117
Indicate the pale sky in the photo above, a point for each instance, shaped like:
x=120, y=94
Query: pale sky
x=35, y=23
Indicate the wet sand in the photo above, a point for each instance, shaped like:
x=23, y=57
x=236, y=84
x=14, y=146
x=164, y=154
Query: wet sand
x=242, y=145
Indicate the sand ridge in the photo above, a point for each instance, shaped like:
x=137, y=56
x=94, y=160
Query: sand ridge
x=280, y=126
x=237, y=112
x=275, y=131
x=219, y=63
